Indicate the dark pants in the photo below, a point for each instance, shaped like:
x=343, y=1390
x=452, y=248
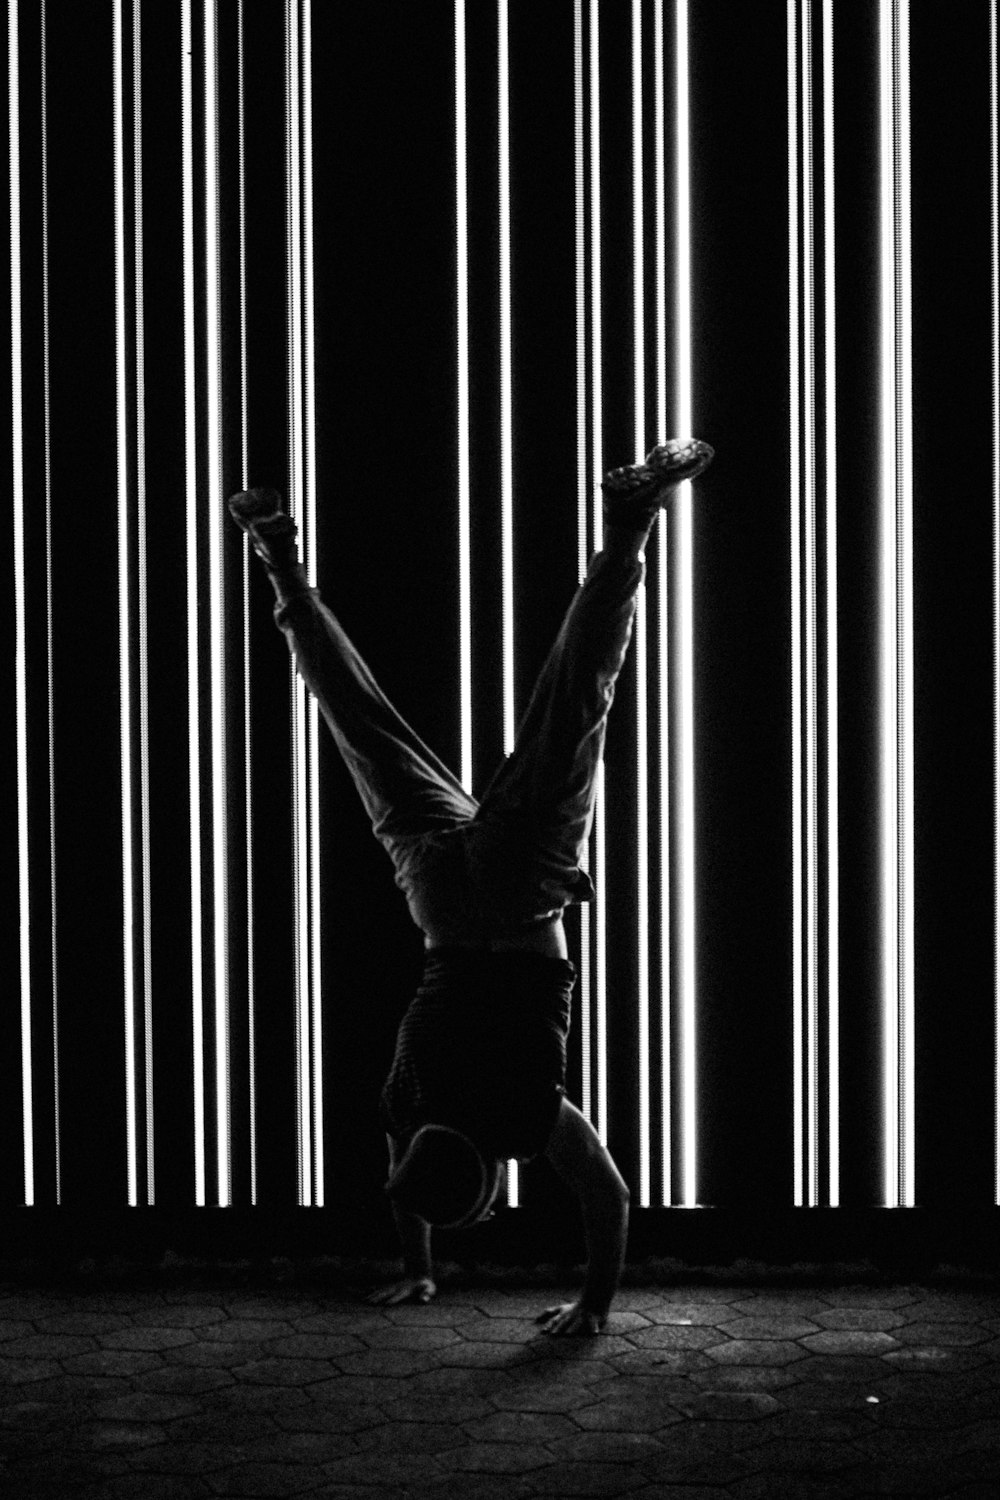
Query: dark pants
x=474, y=870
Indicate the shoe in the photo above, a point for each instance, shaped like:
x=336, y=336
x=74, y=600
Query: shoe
x=262, y=515
x=637, y=491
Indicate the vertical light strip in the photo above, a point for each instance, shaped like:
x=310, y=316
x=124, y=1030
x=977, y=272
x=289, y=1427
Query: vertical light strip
x=299, y=717
x=888, y=621
x=143, y=607
x=213, y=358
x=904, y=425
x=506, y=425
x=663, y=624
x=462, y=381
x=808, y=504
x=583, y=480
x=49, y=611
x=831, y=643
x=193, y=629
x=641, y=644
x=600, y=939
x=995, y=271
x=312, y=567
x=814, y=644
x=309, y=1023
x=684, y=643
x=248, y=785
x=896, y=686
x=506, y=384
x=124, y=618
x=20, y=652
x=795, y=468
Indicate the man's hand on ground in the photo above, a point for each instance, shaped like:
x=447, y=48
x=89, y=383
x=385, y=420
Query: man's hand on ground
x=570, y=1318
x=410, y=1289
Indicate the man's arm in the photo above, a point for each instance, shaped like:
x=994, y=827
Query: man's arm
x=414, y=1233
x=586, y=1167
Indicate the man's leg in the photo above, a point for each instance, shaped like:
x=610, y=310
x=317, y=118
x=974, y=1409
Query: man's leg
x=405, y=788
x=551, y=776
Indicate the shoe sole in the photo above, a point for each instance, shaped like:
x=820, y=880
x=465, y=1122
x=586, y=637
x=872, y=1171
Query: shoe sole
x=255, y=505
x=668, y=464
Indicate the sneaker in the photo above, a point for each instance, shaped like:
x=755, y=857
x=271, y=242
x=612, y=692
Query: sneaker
x=633, y=493
x=262, y=515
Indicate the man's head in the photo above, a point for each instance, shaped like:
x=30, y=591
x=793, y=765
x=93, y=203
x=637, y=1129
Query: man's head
x=444, y=1178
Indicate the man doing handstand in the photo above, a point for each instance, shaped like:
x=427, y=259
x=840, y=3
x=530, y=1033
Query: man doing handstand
x=478, y=1076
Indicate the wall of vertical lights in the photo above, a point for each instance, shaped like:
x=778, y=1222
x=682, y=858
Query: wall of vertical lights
x=661, y=934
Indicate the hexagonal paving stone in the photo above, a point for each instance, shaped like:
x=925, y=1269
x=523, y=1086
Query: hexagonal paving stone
x=479, y=1355
x=266, y=1480
x=649, y=1362
x=921, y=1357
x=149, y=1339
x=412, y=1437
x=268, y=1309
x=755, y=1352
x=831, y=1424
x=947, y=1307
x=48, y=1346
x=607, y=1447
x=381, y=1470
x=871, y=1296
x=121, y=1435
x=140, y=1407
x=687, y=1313
x=189, y=1316
x=187, y=1381
x=520, y=1427
x=679, y=1492
x=16, y=1328
x=778, y=1304
x=313, y=1345
x=80, y=1322
x=127, y=1362
x=941, y=1334
x=850, y=1341
x=24, y=1371
x=497, y=1458
x=364, y=1388
x=454, y=1381
x=313, y=1416
x=69, y=1391
x=753, y=1378
x=461, y=1486
x=440, y=1408
x=673, y=1336
x=246, y=1330
x=436, y=1314
x=499, y=1330
x=768, y=1326
x=865, y=1319
x=628, y=1411
x=357, y=1323
x=519, y=1306
x=403, y=1336
x=728, y=1406
x=292, y=1372
x=390, y=1362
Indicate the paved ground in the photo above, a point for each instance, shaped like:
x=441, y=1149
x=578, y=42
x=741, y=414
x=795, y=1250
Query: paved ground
x=700, y=1391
